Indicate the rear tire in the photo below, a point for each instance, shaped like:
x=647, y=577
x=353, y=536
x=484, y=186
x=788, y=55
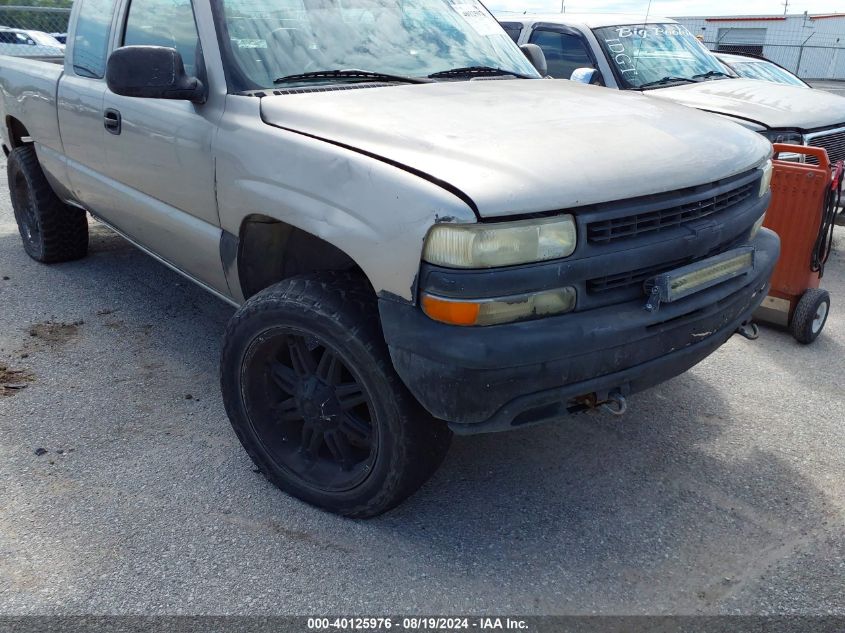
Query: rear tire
x=810, y=315
x=51, y=231
x=313, y=397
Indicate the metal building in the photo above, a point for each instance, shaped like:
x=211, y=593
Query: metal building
x=811, y=46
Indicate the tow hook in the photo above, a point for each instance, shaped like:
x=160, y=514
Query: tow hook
x=615, y=404
x=749, y=330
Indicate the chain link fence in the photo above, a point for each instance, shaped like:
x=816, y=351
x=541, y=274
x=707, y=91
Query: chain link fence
x=810, y=46
x=805, y=59
x=33, y=31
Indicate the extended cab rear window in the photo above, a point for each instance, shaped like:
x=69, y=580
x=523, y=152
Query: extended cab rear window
x=91, y=39
x=513, y=29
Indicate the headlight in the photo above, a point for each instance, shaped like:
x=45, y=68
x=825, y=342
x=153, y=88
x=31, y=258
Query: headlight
x=766, y=180
x=785, y=136
x=505, y=244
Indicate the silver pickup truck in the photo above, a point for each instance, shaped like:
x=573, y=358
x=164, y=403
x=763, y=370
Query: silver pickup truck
x=421, y=235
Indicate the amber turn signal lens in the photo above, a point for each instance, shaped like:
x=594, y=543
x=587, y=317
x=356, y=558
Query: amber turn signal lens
x=454, y=312
x=500, y=309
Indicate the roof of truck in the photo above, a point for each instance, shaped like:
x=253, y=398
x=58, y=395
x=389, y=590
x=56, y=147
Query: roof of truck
x=590, y=20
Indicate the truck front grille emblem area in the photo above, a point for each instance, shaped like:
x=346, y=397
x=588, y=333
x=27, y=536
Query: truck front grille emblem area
x=612, y=230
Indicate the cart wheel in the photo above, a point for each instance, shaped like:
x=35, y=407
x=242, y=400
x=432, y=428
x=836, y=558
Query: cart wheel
x=810, y=315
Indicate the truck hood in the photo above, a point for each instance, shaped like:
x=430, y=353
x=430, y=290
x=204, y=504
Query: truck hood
x=524, y=146
x=765, y=103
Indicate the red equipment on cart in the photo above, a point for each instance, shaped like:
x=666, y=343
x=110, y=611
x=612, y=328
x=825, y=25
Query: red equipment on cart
x=805, y=200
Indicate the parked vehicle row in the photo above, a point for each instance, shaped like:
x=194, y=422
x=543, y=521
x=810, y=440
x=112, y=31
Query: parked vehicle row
x=661, y=58
x=420, y=234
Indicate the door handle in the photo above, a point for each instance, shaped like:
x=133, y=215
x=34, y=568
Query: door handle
x=112, y=120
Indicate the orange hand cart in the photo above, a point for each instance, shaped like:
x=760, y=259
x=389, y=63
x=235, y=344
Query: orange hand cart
x=805, y=200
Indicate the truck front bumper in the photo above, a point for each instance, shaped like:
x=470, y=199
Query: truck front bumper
x=484, y=379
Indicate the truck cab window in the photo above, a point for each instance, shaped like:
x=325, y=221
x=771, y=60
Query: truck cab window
x=513, y=29
x=564, y=52
x=90, y=44
x=167, y=23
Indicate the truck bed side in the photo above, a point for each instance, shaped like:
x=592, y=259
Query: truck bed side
x=28, y=90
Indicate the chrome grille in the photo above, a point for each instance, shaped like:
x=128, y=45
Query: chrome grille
x=832, y=140
x=605, y=231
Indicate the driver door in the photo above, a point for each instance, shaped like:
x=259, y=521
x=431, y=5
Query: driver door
x=158, y=152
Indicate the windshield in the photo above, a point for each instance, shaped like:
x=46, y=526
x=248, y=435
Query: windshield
x=646, y=53
x=767, y=72
x=270, y=39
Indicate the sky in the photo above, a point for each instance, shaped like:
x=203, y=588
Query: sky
x=670, y=8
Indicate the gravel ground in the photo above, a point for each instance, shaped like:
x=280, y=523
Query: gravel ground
x=721, y=491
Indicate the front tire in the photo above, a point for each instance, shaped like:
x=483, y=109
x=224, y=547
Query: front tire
x=51, y=231
x=312, y=395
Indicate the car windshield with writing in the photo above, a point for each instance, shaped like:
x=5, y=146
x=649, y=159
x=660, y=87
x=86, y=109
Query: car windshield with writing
x=645, y=56
x=297, y=43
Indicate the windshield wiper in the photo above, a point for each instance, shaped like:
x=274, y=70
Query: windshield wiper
x=472, y=71
x=710, y=73
x=350, y=73
x=668, y=80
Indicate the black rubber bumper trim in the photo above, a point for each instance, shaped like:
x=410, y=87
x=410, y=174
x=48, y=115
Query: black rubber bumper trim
x=554, y=404
x=488, y=379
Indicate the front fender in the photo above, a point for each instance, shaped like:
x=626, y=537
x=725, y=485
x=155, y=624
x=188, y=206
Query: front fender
x=376, y=213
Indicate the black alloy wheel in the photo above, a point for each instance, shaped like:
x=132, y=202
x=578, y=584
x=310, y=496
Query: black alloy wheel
x=312, y=412
x=312, y=395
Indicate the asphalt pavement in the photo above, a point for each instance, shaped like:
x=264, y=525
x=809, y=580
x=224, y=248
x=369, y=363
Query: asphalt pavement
x=123, y=489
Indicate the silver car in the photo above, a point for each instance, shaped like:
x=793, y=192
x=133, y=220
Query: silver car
x=752, y=67
x=27, y=43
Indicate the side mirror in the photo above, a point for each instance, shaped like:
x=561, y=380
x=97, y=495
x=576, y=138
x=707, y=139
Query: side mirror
x=537, y=58
x=155, y=72
x=585, y=75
